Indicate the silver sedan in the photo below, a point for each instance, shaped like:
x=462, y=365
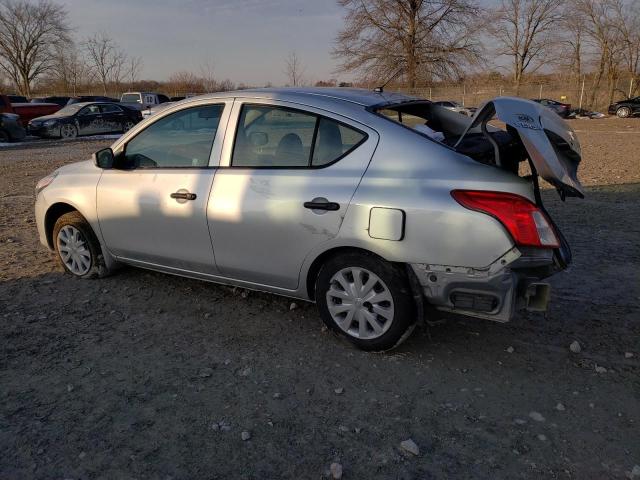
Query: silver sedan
x=380, y=208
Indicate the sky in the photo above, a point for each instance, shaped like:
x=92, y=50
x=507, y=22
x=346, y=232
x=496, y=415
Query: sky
x=245, y=40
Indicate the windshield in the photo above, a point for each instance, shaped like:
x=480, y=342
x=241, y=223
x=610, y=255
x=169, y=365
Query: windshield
x=70, y=109
x=130, y=98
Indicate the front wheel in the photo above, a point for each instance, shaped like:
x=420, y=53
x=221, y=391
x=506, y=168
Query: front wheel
x=623, y=112
x=68, y=131
x=76, y=247
x=366, y=299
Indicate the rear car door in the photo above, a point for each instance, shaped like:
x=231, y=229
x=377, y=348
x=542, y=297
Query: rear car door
x=89, y=120
x=152, y=206
x=113, y=117
x=283, y=188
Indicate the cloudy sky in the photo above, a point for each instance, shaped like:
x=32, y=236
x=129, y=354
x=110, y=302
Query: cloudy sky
x=246, y=40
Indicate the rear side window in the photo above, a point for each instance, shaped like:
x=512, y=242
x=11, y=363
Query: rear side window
x=270, y=136
x=130, y=98
x=182, y=139
x=110, y=109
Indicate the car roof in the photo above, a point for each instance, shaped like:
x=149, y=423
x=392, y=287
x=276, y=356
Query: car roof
x=358, y=96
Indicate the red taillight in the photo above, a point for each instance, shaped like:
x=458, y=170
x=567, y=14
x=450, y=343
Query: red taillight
x=526, y=223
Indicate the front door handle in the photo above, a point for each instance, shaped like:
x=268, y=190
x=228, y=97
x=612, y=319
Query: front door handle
x=314, y=205
x=181, y=195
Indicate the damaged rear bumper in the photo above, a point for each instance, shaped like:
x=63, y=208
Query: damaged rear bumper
x=496, y=292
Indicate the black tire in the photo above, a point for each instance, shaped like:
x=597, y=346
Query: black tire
x=394, y=279
x=68, y=131
x=4, y=137
x=623, y=112
x=128, y=125
x=97, y=268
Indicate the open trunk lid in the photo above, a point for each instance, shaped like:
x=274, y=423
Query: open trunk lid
x=551, y=144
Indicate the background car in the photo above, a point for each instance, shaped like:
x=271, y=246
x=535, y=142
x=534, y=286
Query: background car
x=625, y=108
x=85, y=119
x=62, y=101
x=562, y=109
x=91, y=98
x=18, y=99
x=456, y=107
x=10, y=128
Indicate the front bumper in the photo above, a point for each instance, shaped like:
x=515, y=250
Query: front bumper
x=42, y=131
x=40, y=211
x=496, y=292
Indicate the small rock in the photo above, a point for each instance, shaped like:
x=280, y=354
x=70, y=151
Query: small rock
x=635, y=472
x=536, y=416
x=336, y=470
x=244, y=294
x=245, y=436
x=542, y=438
x=293, y=306
x=215, y=427
x=410, y=446
x=628, y=355
x=510, y=349
x=70, y=388
x=339, y=391
x=227, y=361
x=520, y=421
x=357, y=430
x=82, y=455
x=277, y=395
x=600, y=369
x=206, y=372
x=342, y=428
x=575, y=347
x=245, y=372
x=207, y=315
x=560, y=407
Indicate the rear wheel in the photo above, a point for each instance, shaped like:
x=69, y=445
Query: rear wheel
x=68, y=131
x=366, y=299
x=4, y=137
x=76, y=247
x=623, y=112
x=126, y=126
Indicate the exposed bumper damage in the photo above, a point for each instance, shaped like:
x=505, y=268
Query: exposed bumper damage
x=496, y=292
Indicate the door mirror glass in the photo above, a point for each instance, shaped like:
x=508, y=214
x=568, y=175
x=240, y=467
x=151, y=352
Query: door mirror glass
x=104, y=158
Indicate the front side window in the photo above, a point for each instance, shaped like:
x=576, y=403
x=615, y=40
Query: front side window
x=270, y=136
x=110, y=109
x=181, y=139
x=90, y=110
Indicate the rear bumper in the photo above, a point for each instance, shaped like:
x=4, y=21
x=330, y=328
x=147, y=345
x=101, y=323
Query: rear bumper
x=510, y=284
x=15, y=131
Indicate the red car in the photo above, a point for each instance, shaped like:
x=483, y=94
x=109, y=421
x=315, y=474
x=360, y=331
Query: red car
x=27, y=111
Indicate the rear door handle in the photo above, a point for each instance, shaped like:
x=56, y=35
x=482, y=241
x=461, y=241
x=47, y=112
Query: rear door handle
x=332, y=206
x=184, y=196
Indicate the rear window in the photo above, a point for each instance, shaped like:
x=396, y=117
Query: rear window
x=130, y=98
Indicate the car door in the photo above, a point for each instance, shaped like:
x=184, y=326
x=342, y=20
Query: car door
x=152, y=206
x=283, y=188
x=89, y=120
x=113, y=118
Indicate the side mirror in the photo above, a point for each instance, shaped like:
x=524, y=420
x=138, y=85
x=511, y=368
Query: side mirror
x=104, y=158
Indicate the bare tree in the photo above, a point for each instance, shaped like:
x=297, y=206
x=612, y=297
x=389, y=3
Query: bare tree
x=424, y=39
x=29, y=33
x=106, y=59
x=294, y=69
x=627, y=16
x=572, y=41
x=134, y=66
x=525, y=32
x=70, y=69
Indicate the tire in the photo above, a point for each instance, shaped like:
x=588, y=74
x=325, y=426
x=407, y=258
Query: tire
x=623, y=112
x=68, y=130
x=370, y=325
x=4, y=137
x=73, y=235
x=128, y=125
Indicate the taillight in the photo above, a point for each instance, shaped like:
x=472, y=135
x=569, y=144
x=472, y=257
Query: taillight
x=527, y=224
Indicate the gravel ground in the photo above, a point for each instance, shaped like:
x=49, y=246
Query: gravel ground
x=148, y=376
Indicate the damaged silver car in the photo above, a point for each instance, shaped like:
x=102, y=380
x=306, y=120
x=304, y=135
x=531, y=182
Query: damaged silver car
x=381, y=208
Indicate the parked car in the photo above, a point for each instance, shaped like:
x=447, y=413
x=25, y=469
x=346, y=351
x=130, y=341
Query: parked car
x=26, y=111
x=91, y=98
x=456, y=107
x=62, y=101
x=88, y=118
x=142, y=100
x=327, y=195
x=11, y=130
x=625, y=108
x=562, y=109
x=17, y=98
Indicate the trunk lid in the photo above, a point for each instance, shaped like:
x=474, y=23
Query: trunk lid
x=551, y=143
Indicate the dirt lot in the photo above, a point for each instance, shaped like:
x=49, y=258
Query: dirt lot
x=148, y=376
